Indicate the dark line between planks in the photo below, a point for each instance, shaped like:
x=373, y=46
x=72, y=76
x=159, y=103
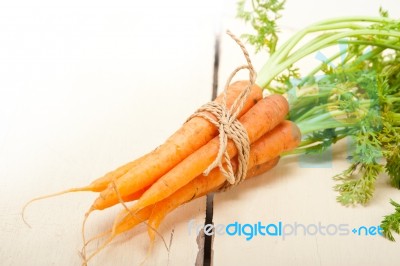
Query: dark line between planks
x=216, y=67
x=208, y=240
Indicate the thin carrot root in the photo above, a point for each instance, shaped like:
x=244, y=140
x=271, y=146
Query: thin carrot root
x=83, y=234
x=148, y=253
x=105, y=243
x=118, y=220
x=87, y=188
x=152, y=230
x=119, y=195
x=123, y=222
x=95, y=186
x=96, y=237
x=112, y=231
x=154, y=222
x=110, y=238
x=131, y=219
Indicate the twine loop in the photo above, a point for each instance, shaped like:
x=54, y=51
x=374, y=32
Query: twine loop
x=229, y=126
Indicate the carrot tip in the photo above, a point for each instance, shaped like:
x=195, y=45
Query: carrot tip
x=87, y=188
x=83, y=235
x=23, y=217
x=98, y=236
x=86, y=260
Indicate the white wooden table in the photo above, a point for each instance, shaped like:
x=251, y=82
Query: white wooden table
x=88, y=86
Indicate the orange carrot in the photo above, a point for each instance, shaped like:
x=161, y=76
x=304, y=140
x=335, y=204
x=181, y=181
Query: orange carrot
x=156, y=213
x=198, y=187
x=191, y=136
x=127, y=223
x=270, y=111
x=284, y=137
x=134, y=196
x=101, y=183
x=264, y=155
x=262, y=168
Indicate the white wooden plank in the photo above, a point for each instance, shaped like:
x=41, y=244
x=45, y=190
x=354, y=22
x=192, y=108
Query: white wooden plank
x=84, y=88
x=292, y=193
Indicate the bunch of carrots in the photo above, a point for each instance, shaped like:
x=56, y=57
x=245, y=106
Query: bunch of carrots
x=172, y=174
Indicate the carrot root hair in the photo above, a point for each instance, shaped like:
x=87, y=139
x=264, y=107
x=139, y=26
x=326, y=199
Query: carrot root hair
x=133, y=214
x=98, y=236
x=83, y=252
x=79, y=189
x=105, y=243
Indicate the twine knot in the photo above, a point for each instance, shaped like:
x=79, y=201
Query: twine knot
x=229, y=126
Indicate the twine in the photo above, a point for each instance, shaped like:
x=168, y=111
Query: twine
x=229, y=126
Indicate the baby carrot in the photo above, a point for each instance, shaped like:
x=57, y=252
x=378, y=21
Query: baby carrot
x=264, y=155
x=127, y=223
x=198, y=187
x=286, y=136
x=191, y=136
x=270, y=110
x=156, y=213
